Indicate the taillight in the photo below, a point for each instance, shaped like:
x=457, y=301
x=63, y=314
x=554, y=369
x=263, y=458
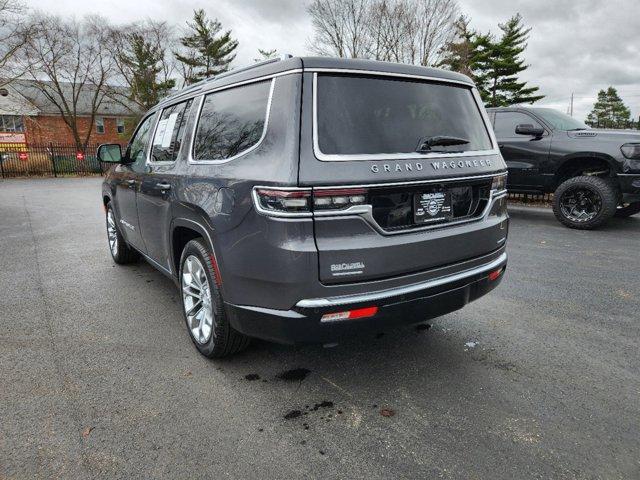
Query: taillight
x=280, y=201
x=300, y=202
x=339, y=199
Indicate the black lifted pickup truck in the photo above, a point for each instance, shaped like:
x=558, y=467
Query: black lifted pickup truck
x=595, y=174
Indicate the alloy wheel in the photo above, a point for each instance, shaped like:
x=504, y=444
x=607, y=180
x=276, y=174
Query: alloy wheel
x=196, y=296
x=580, y=204
x=112, y=233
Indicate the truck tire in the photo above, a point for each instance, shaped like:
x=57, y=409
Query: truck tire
x=585, y=202
x=203, y=306
x=624, y=211
x=120, y=250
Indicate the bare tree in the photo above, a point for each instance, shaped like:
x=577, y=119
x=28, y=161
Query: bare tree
x=68, y=62
x=143, y=63
x=435, y=26
x=13, y=36
x=407, y=31
x=341, y=27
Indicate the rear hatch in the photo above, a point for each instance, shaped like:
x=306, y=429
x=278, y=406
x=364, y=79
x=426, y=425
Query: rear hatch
x=401, y=168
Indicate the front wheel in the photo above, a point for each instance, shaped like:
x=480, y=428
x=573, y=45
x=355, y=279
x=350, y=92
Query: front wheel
x=624, y=211
x=203, y=307
x=585, y=202
x=120, y=250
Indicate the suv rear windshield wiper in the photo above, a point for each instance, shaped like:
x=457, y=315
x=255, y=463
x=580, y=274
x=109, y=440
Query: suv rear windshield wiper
x=425, y=143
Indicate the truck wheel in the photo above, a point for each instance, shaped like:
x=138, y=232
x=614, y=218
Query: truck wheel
x=203, y=307
x=624, y=211
x=585, y=202
x=120, y=250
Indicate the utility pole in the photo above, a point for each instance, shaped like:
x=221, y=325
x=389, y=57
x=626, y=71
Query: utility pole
x=571, y=107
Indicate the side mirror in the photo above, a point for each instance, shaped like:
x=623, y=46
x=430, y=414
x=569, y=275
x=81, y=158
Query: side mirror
x=529, y=129
x=110, y=153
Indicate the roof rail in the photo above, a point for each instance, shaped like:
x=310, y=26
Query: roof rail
x=194, y=86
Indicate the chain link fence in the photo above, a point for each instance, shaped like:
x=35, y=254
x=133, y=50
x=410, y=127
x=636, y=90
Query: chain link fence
x=50, y=160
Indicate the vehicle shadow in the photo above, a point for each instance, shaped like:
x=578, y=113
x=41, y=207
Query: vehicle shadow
x=544, y=216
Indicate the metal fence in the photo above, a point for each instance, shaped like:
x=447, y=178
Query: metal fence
x=53, y=159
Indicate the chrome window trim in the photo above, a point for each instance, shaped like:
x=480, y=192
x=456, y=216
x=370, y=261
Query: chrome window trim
x=397, y=156
x=155, y=128
x=387, y=74
x=394, y=292
x=191, y=160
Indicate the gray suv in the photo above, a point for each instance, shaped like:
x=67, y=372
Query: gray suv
x=308, y=199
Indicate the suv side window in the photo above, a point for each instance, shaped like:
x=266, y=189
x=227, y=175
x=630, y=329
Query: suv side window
x=505, y=124
x=137, y=148
x=231, y=121
x=170, y=132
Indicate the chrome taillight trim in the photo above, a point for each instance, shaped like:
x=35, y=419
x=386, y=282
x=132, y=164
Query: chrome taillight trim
x=270, y=213
x=366, y=213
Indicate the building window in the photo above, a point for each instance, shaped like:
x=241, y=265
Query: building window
x=99, y=124
x=120, y=125
x=11, y=124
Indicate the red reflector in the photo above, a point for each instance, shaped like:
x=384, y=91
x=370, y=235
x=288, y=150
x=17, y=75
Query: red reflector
x=363, y=312
x=350, y=314
x=495, y=274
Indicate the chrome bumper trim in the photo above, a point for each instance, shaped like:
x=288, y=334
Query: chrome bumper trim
x=394, y=292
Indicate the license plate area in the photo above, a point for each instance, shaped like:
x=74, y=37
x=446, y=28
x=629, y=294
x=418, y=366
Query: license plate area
x=432, y=206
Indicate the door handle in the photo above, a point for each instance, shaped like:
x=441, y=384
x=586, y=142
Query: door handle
x=163, y=186
x=500, y=145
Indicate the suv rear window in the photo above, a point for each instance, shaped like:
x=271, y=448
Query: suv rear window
x=231, y=121
x=361, y=115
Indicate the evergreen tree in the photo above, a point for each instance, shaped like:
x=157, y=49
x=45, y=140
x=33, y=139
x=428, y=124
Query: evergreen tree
x=609, y=111
x=499, y=73
x=206, y=53
x=461, y=53
x=141, y=61
x=265, y=55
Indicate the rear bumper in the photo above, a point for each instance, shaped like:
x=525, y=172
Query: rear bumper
x=403, y=305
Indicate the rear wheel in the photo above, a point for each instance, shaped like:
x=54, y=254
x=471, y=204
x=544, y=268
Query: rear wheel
x=626, y=210
x=120, y=250
x=203, y=306
x=585, y=202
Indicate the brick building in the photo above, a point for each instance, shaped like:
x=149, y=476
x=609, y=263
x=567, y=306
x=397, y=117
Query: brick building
x=28, y=117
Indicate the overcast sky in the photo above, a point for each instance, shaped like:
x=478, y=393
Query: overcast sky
x=577, y=46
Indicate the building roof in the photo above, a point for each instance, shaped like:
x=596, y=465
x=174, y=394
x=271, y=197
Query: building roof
x=35, y=102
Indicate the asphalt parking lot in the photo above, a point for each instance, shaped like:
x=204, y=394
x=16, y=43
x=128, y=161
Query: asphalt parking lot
x=540, y=379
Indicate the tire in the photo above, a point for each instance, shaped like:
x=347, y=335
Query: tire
x=120, y=250
x=585, y=202
x=624, y=211
x=213, y=335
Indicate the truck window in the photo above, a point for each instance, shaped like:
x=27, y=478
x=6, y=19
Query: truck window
x=170, y=132
x=231, y=121
x=506, y=122
x=361, y=115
